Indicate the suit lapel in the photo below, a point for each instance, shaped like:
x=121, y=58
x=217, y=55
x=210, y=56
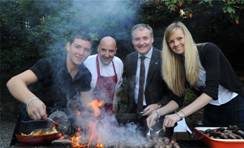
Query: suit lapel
x=154, y=64
x=132, y=72
x=134, y=64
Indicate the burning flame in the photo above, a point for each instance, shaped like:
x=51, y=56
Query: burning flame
x=99, y=146
x=95, y=105
x=75, y=141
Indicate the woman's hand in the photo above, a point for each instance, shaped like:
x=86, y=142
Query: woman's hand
x=36, y=109
x=198, y=103
x=170, y=120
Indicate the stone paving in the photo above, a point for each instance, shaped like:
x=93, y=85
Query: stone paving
x=6, y=131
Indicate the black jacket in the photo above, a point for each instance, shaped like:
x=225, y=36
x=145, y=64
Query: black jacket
x=156, y=90
x=218, y=71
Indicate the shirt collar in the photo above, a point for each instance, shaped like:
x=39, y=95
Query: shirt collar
x=148, y=55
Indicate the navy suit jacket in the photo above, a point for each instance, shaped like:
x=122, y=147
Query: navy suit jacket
x=155, y=89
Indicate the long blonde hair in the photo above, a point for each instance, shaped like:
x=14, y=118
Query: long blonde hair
x=176, y=70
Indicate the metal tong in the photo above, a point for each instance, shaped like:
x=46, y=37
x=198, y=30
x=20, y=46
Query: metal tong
x=151, y=132
x=51, y=120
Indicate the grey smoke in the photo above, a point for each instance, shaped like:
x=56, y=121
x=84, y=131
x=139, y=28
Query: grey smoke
x=96, y=17
x=109, y=132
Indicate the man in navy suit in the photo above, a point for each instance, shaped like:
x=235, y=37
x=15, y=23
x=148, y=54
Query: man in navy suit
x=146, y=90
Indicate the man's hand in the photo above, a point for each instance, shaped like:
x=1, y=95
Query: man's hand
x=36, y=109
x=152, y=118
x=150, y=108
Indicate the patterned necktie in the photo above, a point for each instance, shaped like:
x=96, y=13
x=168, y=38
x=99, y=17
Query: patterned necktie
x=141, y=85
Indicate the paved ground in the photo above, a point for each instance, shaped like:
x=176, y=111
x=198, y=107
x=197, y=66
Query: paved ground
x=6, y=131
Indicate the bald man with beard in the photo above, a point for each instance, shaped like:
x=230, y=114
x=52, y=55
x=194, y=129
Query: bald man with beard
x=106, y=71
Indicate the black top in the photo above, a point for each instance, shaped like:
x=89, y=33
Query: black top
x=218, y=71
x=57, y=85
x=156, y=90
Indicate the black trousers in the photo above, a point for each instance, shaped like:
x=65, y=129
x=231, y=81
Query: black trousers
x=231, y=113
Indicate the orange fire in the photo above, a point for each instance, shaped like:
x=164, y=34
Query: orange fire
x=93, y=138
x=96, y=104
x=75, y=140
x=99, y=146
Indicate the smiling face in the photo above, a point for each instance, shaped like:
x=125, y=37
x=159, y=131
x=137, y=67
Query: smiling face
x=142, y=40
x=176, y=41
x=78, y=50
x=107, y=50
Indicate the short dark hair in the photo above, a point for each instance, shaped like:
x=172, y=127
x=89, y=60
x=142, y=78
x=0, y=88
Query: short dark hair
x=80, y=35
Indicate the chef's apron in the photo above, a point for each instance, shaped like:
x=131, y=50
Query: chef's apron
x=105, y=87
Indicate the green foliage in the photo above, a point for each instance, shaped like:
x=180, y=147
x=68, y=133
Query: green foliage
x=232, y=7
x=187, y=8
x=171, y=5
x=26, y=31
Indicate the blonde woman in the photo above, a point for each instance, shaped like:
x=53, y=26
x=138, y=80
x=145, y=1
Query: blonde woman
x=202, y=67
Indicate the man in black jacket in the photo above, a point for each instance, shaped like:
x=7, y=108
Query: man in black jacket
x=146, y=89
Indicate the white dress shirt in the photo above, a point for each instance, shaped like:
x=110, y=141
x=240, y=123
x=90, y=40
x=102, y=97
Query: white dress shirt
x=147, y=63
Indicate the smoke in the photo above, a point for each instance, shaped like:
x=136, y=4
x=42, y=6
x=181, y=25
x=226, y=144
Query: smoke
x=95, y=17
x=105, y=16
x=113, y=134
x=109, y=132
